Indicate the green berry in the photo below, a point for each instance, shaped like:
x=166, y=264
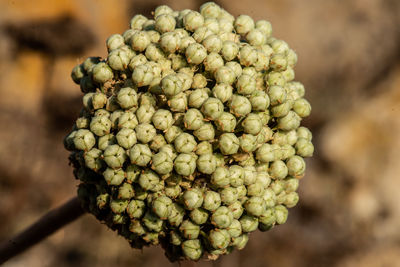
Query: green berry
x=222, y=217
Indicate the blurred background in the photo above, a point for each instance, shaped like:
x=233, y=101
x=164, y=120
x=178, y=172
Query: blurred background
x=349, y=61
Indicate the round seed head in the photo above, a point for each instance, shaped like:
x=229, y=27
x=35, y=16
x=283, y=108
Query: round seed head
x=228, y=143
x=170, y=42
x=226, y=122
x=102, y=73
x=220, y=177
x=212, y=108
x=224, y=75
x=189, y=230
x=205, y=132
x=140, y=155
x=192, y=249
x=145, y=132
x=206, y=163
x=222, y=217
x=199, y=216
x=165, y=23
x=249, y=223
x=185, y=164
x=195, y=53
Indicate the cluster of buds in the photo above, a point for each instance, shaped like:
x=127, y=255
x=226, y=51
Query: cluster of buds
x=190, y=134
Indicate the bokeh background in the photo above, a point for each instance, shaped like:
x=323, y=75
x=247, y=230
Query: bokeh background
x=349, y=61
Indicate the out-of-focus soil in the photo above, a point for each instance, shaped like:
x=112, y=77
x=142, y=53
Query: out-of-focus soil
x=349, y=61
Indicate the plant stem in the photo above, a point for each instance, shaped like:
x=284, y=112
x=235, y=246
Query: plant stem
x=45, y=226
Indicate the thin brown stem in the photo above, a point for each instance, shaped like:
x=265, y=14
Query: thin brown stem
x=45, y=226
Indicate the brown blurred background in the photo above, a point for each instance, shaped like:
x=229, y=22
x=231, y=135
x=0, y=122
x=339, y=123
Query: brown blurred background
x=349, y=60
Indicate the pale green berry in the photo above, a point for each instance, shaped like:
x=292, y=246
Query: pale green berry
x=228, y=143
x=248, y=160
x=100, y=125
x=170, y=150
x=154, y=52
x=291, y=199
x=161, y=207
x=279, y=138
x=262, y=64
x=226, y=122
x=259, y=101
x=255, y=206
x=224, y=75
x=195, y=53
x=102, y=73
x=236, y=174
x=256, y=37
x=165, y=23
x=302, y=107
x=89, y=63
x=126, y=138
x=242, y=191
x=263, y=178
x=240, y=106
x=157, y=142
x=277, y=186
x=267, y=219
x=281, y=214
x=99, y=100
x=275, y=78
x=118, y=205
x=114, y=156
x=212, y=200
x=171, y=133
x=289, y=122
x=137, y=22
x=102, y=200
x=240, y=241
x=147, y=99
x=140, y=155
x=152, y=222
x=170, y=42
x=128, y=35
x=283, y=109
x=136, y=61
x=127, y=120
x=114, y=177
x=265, y=27
x=203, y=148
x=199, y=216
x=77, y=73
x=277, y=94
x=118, y=59
x=189, y=230
x=175, y=239
x=193, y=20
x=210, y=10
x=132, y=173
x=291, y=58
x=247, y=55
x=161, y=10
x=127, y=98
x=252, y=124
x=185, y=164
x=199, y=81
x=149, y=181
x=202, y=33
x=162, y=163
x=171, y=85
x=182, y=32
x=248, y=142
x=162, y=119
x=206, y=163
x=93, y=159
x=225, y=25
x=235, y=229
x=193, y=119
x=140, y=40
x=192, y=249
x=205, y=132
x=185, y=143
x=229, y=50
x=176, y=214
x=173, y=191
x=237, y=210
x=145, y=132
x=280, y=47
x=222, y=217
x=142, y=75
x=236, y=67
x=125, y=191
x=220, y=177
x=228, y=195
x=178, y=103
x=244, y=24
x=265, y=135
x=296, y=166
x=278, y=170
x=291, y=185
x=137, y=228
x=288, y=74
x=197, y=98
x=213, y=61
x=303, y=132
x=212, y=24
x=249, y=223
x=278, y=62
x=177, y=61
x=186, y=77
x=144, y=113
x=106, y=140
x=249, y=176
x=223, y=92
x=212, y=108
x=192, y=198
x=296, y=90
x=212, y=43
x=256, y=189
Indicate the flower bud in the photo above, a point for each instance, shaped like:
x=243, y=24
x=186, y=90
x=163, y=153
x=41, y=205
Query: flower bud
x=140, y=40
x=170, y=42
x=189, y=230
x=206, y=163
x=226, y=122
x=249, y=223
x=199, y=216
x=281, y=214
x=302, y=107
x=195, y=53
x=254, y=206
x=205, y=132
x=185, y=143
x=289, y=122
x=137, y=22
x=145, y=132
x=252, y=124
x=228, y=195
x=140, y=155
x=185, y=164
x=240, y=106
x=278, y=170
x=192, y=249
x=171, y=85
x=102, y=73
x=244, y=24
x=212, y=108
x=197, y=98
x=224, y=75
x=165, y=23
x=220, y=177
x=176, y=214
x=222, y=217
x=193, y=119
x=83, y=140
